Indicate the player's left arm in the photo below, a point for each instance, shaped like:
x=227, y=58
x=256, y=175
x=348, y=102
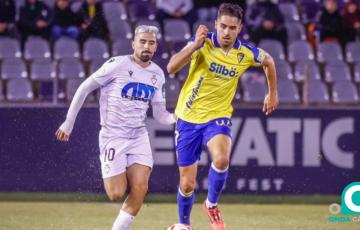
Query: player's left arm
x=158, y=103
x=161, y=114
x=271, y=100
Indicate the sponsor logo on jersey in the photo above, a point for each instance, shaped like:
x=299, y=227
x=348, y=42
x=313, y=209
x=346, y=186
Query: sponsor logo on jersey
x=195, y=93
x=222, y=70
x=138, y=91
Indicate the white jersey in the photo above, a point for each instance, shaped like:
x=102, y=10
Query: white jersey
x=126, y=90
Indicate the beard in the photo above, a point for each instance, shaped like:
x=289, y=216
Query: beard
x=145, y=56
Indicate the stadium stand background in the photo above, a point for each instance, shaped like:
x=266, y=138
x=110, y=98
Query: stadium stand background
x=310, y=72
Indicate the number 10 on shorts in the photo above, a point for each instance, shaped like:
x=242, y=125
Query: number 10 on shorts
x=109, y=154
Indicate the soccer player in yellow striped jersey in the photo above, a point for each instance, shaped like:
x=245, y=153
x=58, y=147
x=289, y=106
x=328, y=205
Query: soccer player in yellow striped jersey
x=217, y=61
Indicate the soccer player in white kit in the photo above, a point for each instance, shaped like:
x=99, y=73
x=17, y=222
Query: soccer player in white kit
x=127, y=85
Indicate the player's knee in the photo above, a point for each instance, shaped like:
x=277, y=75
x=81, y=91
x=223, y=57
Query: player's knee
x=115, y=194
x=221, y=162
x=140, y=188
x=187, y=186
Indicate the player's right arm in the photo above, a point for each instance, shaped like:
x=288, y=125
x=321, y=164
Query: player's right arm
x=180, y=59
x=101, y=77
x=64, y=131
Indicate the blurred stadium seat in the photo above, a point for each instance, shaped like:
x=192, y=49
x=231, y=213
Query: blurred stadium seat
x=357, y=73
x=43, y=72
x=306, y=70
x=288, y=92
x=329, y=52
x=274, y=48
x=317, y=92
x=70, y=68
x=19, y=89
x=141, y=10
x=300, y=51
x=36, y=47
x=121, y=47
x=66, y=48
x=254, y=86
x=290, y=12
x=353, y=52
x=95, y=48
x=9, y=48
x=181, y=33
x=120, y=30
x=95, y=64
x=337, y=72
x=344, y=92
x=114, y=11
x=295, y=31
x=13, y=68
x=283, y=70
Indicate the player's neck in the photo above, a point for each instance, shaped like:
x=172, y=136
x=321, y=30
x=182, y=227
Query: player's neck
x=139, y=62
x=226, y=49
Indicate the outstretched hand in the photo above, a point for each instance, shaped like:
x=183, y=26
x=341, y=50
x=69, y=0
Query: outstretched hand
x=61, y=135
x=271, y=103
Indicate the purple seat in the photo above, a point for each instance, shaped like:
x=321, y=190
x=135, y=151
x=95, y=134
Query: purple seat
x=181, y=33
x=344, y=92
x=95, y=48
x=141, y=9
x=66, y=48
x=13, y=68
x=19, y=89
x=300, y=51
x=329, y=52
x=337, y=72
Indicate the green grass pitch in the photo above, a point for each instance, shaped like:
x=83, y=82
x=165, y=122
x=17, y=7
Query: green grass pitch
x=75, y=215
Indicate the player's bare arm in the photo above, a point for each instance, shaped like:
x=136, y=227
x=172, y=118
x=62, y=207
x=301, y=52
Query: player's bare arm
x=179, y=60
x=271, y=100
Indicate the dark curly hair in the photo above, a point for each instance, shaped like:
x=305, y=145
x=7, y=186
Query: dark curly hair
x=230, y=9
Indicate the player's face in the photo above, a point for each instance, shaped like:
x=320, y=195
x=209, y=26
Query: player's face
x=228, y=28
x=144, y=46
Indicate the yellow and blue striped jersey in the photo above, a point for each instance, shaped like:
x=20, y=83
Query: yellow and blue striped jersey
x=212, y=80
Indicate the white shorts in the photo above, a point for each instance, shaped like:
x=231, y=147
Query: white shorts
x=116, y=154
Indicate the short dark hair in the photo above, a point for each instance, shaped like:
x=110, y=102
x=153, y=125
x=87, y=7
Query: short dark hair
x=230, y=9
